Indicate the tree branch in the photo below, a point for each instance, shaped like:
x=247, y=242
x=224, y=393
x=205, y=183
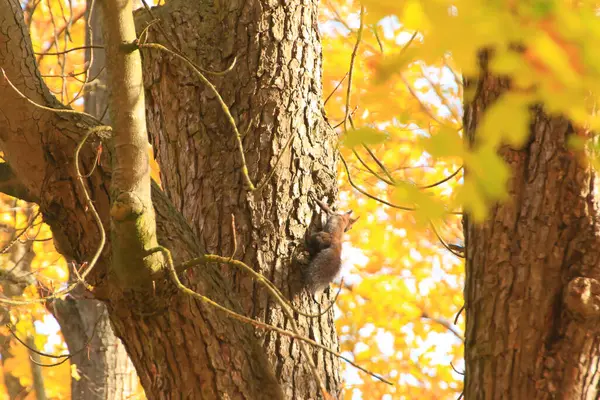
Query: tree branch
x=133, y=224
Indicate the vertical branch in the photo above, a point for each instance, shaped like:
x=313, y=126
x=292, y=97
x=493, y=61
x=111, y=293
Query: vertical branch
x=132, y=215
x=36, y=371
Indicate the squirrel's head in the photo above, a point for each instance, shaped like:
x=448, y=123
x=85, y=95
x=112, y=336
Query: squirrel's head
x=348, y=221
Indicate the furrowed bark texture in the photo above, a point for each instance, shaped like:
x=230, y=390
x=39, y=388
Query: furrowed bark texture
x=532, y=288
x=182, y=347
x=273, y=91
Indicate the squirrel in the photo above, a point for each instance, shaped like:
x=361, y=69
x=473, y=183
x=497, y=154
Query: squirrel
x=325, y=249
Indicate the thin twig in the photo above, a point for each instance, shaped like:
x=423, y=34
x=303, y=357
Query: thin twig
x=379, y=163
x=260, y=279
x=370, y=170
x=177, y=49
x=443, y=242
x=58, y=53
x=446, y=179
x=351, y=69
x=59, y=32
x=421, y=104
x=335, y=89
x=376, y=34
x=350, y=116
x=92, y=208
x=58, y=110
x=66, y=356
x=295, y=332
x=91, y=60
x=387, y=203
x=162, y=30
x=441, y=96
x=458, y=314
x=445, y=324
x=455, y=370
x=16, y=238
x=96, y=161
x=233, y=232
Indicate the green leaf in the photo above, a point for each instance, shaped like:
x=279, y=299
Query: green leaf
x=489, y=172
x=472, y=201
x=364, y=135
x=390, y=65
x=446, y=143
x=506, y=121
x=428, y=207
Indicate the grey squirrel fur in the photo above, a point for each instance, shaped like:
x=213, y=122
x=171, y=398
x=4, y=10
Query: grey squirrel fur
x=325, y=249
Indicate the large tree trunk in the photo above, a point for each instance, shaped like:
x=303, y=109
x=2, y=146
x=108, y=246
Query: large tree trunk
x=180, y=346
x=532, y=287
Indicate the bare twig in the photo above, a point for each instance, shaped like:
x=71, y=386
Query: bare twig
x=260, y=279
x=458, y=314
x=376, y=34
x=443, y=242
x=421, y=104
x=65, y=357
x=233, y=232
x=371, y=171
x=445, y=324
x=58, y=110
x=351, y=69
x=455, y=370
x=91, y=60
x=16, y=238
x=335, y=89
x=379, y=163
x=387, y=203
x=295, y=333
x=92, y=208
x=446, y=179
x=441, y=96
x=58, y=53
x=59, y=32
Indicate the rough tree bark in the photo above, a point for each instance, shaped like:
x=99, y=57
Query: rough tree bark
x=180, y=346
x=532, y=289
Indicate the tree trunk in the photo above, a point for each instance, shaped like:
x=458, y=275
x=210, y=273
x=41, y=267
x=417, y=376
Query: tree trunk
x=14, y=280
x=180, y=346
x=103, y=366
x=531, y=294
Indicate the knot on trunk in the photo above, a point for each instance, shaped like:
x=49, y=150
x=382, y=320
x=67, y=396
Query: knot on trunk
x=126, y=206
x=582, y=297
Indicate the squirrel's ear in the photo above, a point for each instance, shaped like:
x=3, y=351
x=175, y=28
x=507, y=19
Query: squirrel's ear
x=351, y=221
